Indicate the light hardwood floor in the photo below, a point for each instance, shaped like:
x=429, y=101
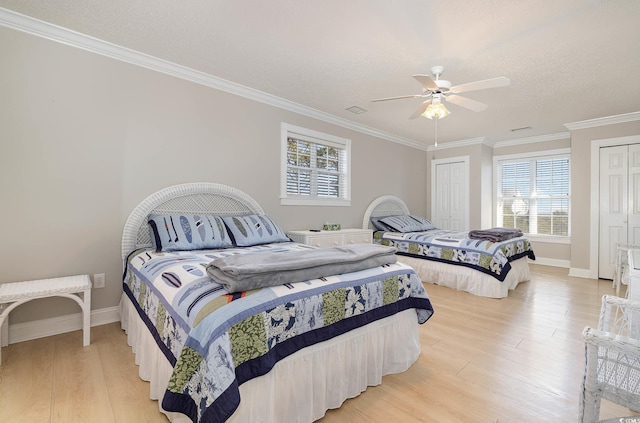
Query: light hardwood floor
x=515, y=360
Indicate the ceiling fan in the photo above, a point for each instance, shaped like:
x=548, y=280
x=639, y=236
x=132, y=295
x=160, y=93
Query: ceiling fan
x=435, y=90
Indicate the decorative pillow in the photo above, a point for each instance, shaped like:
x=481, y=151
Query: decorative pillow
x=188, y=232
x=426, y=224
x=403, y=223
x=375, y=221
x=254, y=229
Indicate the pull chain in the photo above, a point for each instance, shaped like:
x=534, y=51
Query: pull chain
x=436, y=143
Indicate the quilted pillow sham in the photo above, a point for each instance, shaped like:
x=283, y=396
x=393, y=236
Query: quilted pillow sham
x=426, y=223
x=175, y=232
x=407, y=223
x=376, y=222
x=254, y=229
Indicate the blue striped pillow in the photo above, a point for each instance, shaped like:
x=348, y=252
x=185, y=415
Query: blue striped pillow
x=174, y=232
x=426, y=223
x=254, y=229
x=406, y=223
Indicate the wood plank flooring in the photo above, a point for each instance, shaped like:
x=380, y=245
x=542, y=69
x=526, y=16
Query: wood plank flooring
x=514, y=360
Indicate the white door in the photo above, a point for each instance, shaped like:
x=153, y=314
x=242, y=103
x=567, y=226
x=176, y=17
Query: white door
x=619, y=203
x=633, y=231
x=449, y=202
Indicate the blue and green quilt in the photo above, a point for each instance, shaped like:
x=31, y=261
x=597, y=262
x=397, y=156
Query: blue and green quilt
x=454, y=247
x=216, y=341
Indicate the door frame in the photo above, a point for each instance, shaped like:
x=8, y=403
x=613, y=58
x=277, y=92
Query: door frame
x=434, y=164
x=594, y=242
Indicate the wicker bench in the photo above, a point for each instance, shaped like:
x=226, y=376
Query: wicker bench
x=78, y=288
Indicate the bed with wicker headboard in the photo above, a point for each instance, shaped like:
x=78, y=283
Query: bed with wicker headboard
x=302, y=366
x=450, y=258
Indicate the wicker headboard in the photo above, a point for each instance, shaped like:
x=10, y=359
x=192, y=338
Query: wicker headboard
x=201, y=197
x=386, y=205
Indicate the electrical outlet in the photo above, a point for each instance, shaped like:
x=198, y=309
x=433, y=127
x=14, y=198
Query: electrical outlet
x=98, y=280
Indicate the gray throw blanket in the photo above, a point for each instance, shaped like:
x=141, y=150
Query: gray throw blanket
x=243, y=272
x=495, y=234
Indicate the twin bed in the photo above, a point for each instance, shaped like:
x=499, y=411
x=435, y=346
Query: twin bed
x=282, y=353
x=453, y=259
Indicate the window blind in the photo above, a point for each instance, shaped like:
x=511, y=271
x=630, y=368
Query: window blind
x=534, y=195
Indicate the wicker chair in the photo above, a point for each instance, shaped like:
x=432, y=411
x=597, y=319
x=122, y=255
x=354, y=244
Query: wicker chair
x=612, y=368
x=620, y=269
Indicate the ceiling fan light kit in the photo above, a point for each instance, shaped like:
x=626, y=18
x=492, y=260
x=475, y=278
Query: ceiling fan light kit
x=436, y=89
x=435, y=110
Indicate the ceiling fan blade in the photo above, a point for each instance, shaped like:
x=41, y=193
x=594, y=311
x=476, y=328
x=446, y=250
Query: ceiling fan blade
x=500, y=81
x=467, y=103
x=420, y=110
x=427, y=82
x=399, y=97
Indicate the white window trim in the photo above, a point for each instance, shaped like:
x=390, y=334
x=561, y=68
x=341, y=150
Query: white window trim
x=497, y=159
x=549, y=239
x=285, y=131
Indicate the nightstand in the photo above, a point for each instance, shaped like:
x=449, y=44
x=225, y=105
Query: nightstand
x=332, y=238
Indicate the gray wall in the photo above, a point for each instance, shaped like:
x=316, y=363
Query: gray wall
x=85, y=138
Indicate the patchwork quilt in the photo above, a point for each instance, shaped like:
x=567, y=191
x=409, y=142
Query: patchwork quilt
x=216, y=341
x=453, y=247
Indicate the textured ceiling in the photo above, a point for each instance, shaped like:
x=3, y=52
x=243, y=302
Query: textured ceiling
x=568, y=60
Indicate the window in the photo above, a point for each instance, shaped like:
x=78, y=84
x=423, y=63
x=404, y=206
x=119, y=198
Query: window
x=534, y=194
x=315, y=168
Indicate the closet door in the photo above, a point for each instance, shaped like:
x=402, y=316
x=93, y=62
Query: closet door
x=450, y=204
x=633, y=229
x=619, y=203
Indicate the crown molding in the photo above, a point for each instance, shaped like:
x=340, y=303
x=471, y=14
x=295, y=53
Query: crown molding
x=29, y=25
x=609, y=120
x=460, y=143
x=532, y=140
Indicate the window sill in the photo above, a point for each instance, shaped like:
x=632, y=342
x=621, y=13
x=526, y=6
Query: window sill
x=315, y=202
x=549, y=239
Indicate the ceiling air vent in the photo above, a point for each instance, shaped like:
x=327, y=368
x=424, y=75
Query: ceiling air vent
x=524, y=128
x=355, y=109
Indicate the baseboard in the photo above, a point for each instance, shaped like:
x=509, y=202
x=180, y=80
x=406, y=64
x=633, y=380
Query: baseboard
x=573, y=271
x=56, y=325
x=545, y=261
x=582, y=273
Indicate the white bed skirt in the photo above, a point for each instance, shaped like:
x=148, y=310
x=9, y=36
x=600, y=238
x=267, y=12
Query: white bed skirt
x=466, y=279
x=304, y=385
